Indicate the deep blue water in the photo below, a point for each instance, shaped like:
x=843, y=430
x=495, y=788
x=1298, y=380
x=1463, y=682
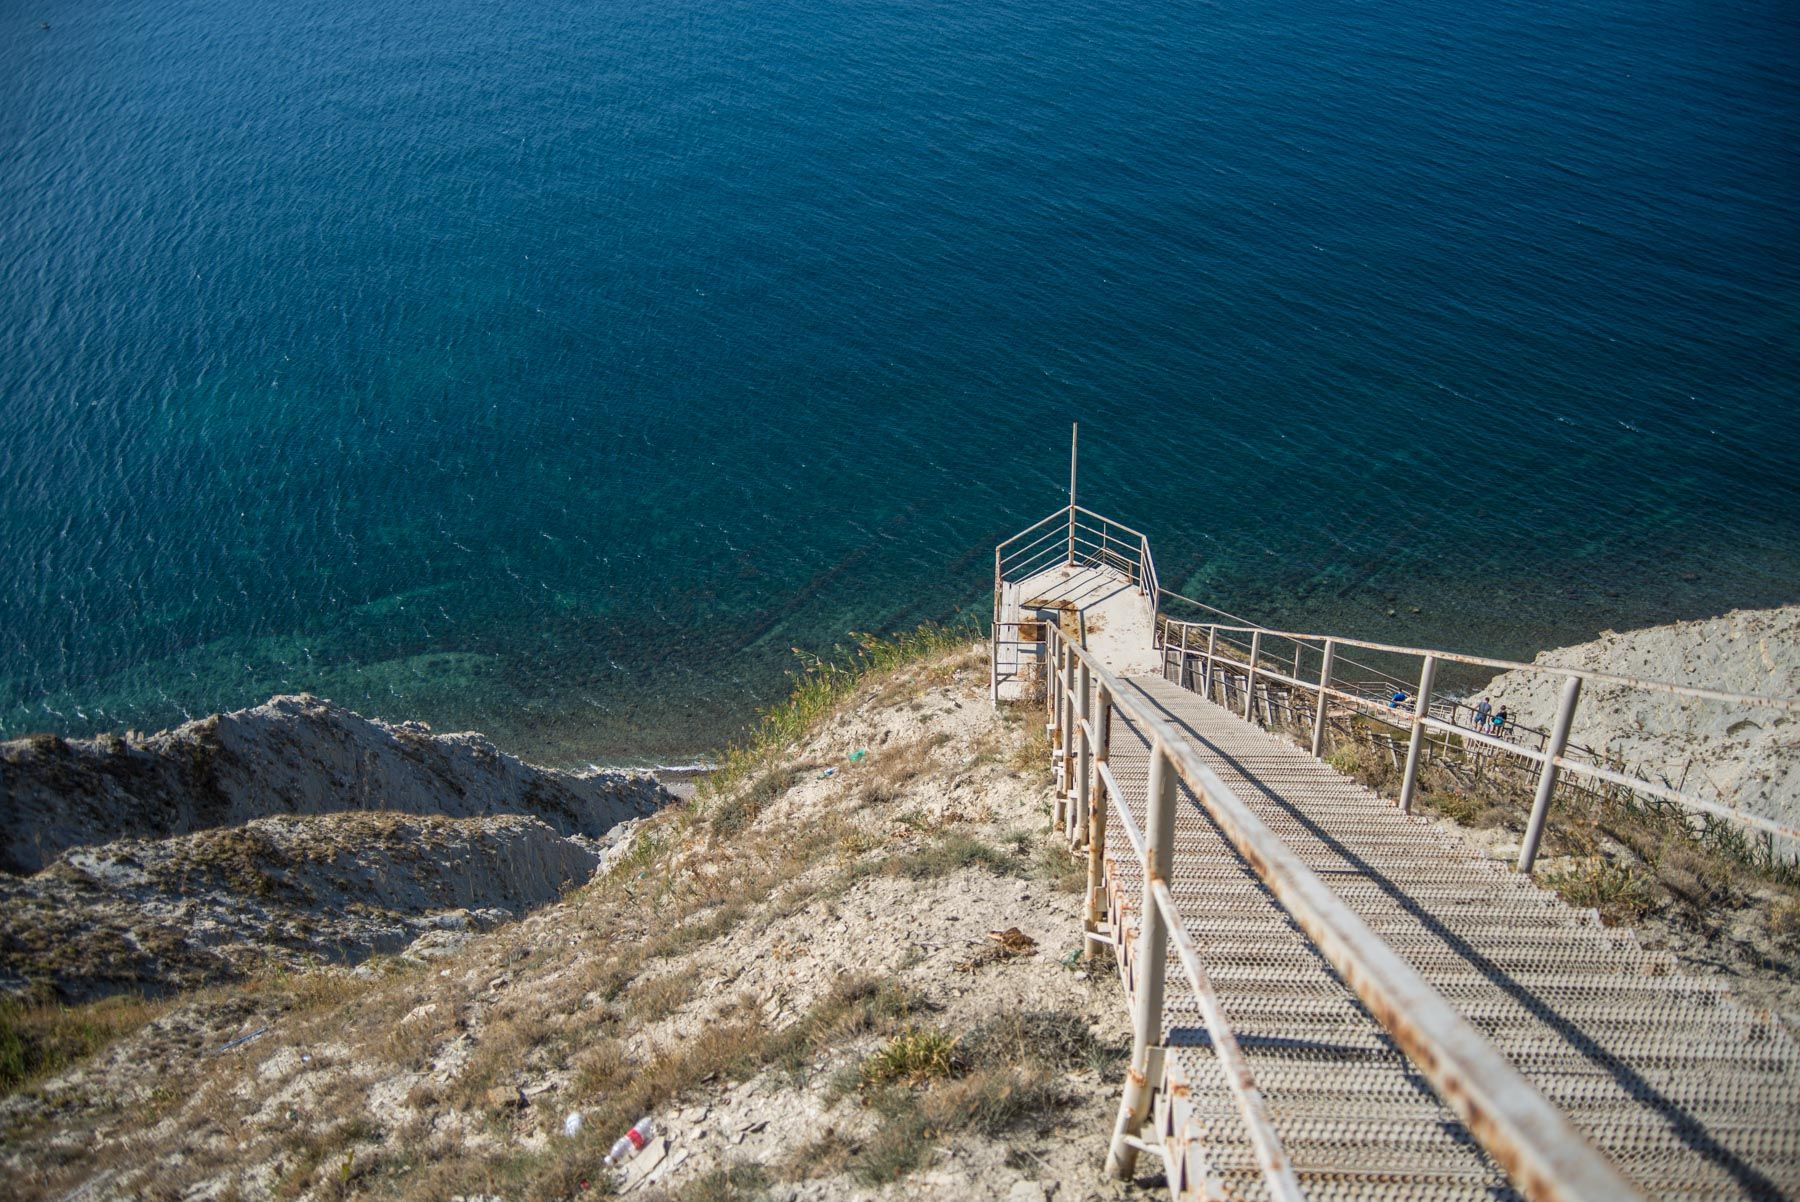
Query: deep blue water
x=554, y=369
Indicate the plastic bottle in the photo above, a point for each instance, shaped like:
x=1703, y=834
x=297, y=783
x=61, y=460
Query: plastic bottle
x=632, y=1142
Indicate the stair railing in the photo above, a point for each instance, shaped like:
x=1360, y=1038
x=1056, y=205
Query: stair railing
x=1529, y=1138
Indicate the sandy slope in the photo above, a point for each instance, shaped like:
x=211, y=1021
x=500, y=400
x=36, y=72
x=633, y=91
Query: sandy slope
x=1742, y=755
x=654, y=988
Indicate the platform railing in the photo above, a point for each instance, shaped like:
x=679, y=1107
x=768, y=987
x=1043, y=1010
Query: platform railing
x=1528, y=1137
x=1244, y=653
x=1073, y=536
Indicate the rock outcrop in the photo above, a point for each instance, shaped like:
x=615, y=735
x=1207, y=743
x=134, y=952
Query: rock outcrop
x=156, y=915
x=1745, y=756
x=292, y=755
x=293, y=833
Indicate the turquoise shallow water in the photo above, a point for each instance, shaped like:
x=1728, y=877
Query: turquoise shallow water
x=554, y=370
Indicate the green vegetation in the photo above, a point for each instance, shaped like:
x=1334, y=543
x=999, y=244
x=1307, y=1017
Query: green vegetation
x=1620, y=892
x=822, y=684
x=916, y=1055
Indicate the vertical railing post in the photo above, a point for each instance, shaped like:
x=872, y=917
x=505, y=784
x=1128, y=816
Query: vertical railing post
x=1181, y=662
x=1083, y=784
x=1250, y=676
x=1318, y=735
x=1053, y=639
x=1068, y=725
x=994, y=639
x=1212, y=638
x=1421, y=708
x=1148, y=964
x=1559, y=739
x=1096, y=866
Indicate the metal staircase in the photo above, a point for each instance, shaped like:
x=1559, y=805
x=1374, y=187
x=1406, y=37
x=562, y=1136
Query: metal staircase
x=1332, y=998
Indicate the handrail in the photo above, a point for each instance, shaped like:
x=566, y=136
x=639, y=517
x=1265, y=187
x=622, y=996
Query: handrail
x=1102, y=517
x=1791, y=704
x=1278, y=1171
x=1555, y=753
x=1015, y=538
x=1187, y=600
x=1533, y=1142
x=1064, y=531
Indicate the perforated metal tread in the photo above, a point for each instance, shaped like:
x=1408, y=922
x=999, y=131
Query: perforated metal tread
x=1692, y=1094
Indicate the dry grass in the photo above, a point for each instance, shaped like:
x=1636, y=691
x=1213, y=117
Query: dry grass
x=1783, y=922
x=854, y=1006
x=743, y=1181
x=657, y=997
x=1637, y=857
x=588, y=1001
x=891, y=769
x=952, y=851
x=1066, y=873
x=925, y=1086
x=928, y=655
x=37, y=1041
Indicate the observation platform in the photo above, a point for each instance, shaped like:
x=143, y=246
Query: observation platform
x=1094, y=604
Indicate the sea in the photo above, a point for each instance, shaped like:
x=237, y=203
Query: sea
x=558, y=370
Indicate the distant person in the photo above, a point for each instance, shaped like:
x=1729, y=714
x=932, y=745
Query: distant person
x=1397, y=700
x=1500, y=722
x=1482, y=712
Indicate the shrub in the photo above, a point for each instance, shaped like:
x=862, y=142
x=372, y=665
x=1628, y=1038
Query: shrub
x=1619, y=892
x=913, y=1057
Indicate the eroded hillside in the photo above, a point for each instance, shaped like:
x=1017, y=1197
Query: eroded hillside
x=837, y=975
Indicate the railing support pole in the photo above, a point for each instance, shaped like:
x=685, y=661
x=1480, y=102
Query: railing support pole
x=1064, y=789
x=1147, y=965
x=1181, y=663
x=1421, y=708
x=1083, y=783
x=1212, y=638
x=994, y=638
x=1318, y=738
x=1250, y=675
x=1096, y=865
x=1559, y=738
x=1053, y=640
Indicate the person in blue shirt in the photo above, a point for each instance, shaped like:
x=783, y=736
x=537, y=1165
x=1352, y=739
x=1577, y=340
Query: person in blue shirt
x=1482, y=711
